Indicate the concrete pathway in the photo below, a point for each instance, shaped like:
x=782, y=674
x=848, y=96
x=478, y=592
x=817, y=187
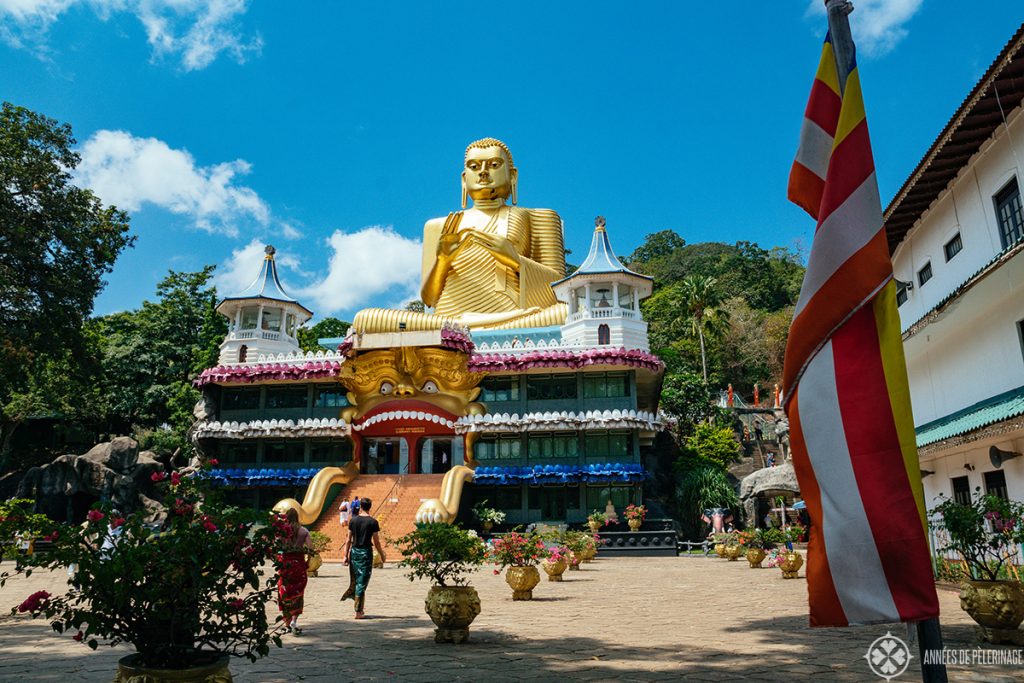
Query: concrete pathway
x=619, y=619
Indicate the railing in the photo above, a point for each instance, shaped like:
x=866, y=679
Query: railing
x=686, y=546
x=391, y=498
x=602, y=313
x=255, y=334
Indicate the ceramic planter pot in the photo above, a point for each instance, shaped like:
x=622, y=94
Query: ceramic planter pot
x=452, y=609
x=488, y=526
x=378, y=563
x=790, y=564
x=588, y=554
x=997, y=607
x=313, y=564
x=755, y=556
x=733, y=552
x=720, y=549
x=554, y=570
x=634, y=524
x=522, y=580
x=594, y=527
x=129, y=671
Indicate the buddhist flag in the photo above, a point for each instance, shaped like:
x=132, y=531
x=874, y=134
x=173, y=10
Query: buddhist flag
x=851, y=428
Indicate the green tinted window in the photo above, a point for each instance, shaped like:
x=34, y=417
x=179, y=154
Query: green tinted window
x=499, y=389
x=331, y=397
x=553, y=446
x=284, y=452
x=286, y=397
x=543, y=388
x=497, y=448
x=605, y=385
x=616, y=444
x=240, y=399
x=332, y=451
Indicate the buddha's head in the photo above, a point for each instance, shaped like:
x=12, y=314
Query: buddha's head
x=488, y=171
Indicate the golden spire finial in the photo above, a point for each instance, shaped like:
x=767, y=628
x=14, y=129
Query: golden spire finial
x=269, y=251
x=599, y=223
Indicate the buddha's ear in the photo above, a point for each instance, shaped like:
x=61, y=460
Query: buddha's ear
x=464, y=191
x=514, y=175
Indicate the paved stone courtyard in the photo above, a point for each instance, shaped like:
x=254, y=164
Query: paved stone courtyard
x=619, y=619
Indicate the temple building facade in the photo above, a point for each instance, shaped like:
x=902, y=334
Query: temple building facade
x=956, y=231
x=547, y=423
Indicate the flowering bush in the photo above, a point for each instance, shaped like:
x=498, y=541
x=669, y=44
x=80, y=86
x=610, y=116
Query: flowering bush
x=987, y=532
x=775, y=557
x=319, y=542
x=762, y=539
x=558, y=554
x=19, y=524
x=598, y=518
x=725, y=538
x=795, y=533
x=517, y=549
x=444, y=553
x=487, y=514
x=182, y=591
x=635, y=512
x=577, y=542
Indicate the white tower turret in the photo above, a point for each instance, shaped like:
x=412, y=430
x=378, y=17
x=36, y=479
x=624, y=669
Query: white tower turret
x=261, y=320
x=604, y=299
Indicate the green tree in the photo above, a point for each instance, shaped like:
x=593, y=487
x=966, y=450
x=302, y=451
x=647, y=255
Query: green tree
x=328, y=328
x=703, y=313
x=56, y=243
x=688, y=399
x=714, y=444
x=702, y=486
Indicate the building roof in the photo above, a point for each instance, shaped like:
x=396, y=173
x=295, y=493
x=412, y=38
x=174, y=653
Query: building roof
x=981, y=414
x=601, y=259
x=266, y=285
x=998, y=92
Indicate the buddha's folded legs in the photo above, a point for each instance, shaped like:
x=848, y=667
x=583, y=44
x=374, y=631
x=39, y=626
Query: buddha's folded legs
x=389, y=320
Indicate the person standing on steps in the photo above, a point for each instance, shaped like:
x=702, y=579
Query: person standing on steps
x=343, y=512
x=363, y=536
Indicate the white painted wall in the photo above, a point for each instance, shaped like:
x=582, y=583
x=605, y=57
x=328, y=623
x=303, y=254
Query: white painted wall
x=973, y=351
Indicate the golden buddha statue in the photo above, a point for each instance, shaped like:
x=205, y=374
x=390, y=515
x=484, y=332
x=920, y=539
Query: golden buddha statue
x=489, y=266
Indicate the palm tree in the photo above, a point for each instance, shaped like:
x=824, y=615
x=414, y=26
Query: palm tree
x=701, y=305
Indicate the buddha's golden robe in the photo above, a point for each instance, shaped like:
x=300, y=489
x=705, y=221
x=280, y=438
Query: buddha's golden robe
x=483, y=293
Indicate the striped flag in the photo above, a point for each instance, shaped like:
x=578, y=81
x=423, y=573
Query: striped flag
x=851, y=428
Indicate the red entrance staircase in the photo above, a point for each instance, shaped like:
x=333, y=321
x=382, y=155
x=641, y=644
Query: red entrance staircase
x=396, y=498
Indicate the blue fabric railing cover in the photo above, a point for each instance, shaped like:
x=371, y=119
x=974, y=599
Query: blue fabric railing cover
x=514, y=475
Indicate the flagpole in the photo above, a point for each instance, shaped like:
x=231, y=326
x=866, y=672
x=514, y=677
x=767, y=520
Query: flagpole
x=929, y=632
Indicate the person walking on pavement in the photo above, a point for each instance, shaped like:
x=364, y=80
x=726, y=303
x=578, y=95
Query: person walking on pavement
x=363, y=536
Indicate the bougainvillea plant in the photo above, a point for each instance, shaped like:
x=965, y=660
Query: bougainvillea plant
x=443, y=553
x=517, y=549
x=183, y=588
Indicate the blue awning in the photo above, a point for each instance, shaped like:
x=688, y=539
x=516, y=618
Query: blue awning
x=513, y=475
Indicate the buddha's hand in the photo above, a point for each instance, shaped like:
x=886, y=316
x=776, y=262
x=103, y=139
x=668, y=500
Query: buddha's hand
x=450, y=243
x=500, y=247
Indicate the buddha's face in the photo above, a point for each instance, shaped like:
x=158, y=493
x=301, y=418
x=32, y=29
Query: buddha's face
x=487, y=174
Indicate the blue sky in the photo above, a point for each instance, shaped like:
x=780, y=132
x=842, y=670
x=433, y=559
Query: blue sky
x=334, y=130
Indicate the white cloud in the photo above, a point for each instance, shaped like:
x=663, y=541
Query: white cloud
x=877, y=25
x=365, y=267
x=194, y=31
x=131, y=172
x=289, y=231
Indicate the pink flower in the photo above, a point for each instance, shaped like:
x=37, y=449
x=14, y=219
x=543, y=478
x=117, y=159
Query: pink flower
x=51, y=537
x=496, y=571
x=34, y=602
x=208, y=525
x=175, y=478
x=236, y=604
x=213, y=462
x=95, y=515
x=116, y=522
x=158, y=476
x=78, y=637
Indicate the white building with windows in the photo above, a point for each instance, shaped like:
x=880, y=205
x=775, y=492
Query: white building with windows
x=956, y=232
x=262, y=320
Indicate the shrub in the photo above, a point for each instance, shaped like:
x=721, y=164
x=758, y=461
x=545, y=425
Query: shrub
x=444, y=553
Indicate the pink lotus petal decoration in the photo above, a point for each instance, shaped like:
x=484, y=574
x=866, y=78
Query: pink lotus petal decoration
x=263, y=371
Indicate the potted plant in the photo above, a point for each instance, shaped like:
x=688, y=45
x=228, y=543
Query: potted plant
x=319, y=543
x=722, y=540
x=445, y=554
x=187, y=588
x=520, y=552
x=488, y=516
x=635, y=516
x=757, y=543
x=577, y=543
x=556, y=562
x=596, y=520
x=987, y=533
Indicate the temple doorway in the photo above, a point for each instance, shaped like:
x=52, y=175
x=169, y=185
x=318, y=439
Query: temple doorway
x=382, y=456
x=435, y=456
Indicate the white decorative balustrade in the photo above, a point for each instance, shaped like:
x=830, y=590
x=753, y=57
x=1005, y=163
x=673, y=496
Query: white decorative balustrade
x=265, y=428
x=558, y=421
